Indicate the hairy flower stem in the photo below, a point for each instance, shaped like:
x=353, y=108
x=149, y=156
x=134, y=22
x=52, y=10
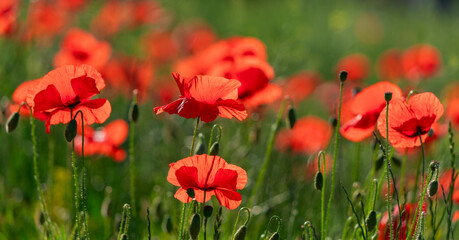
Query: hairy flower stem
x=266, y=160
x=453, y=178
x=335, y=155
x=322, y=200
x=132, y=168
x=76, y=185
x=182, y=218
x=402, y=174
x=388, y=169
x=83, y=182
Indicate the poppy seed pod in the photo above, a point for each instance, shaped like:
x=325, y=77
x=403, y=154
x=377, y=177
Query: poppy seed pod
x=71, y=130
x=208, y=211
x=291, y=117
x=12, y=122
x=371, y=220
x=214, y=149
x=195, y=226
x=342, y=76
x=432, y=188
x=430, y=133
x=275, y=236
x=134, y=113
x=388, y=96
x=434, y=165
x=318, y=181
x=240, y=234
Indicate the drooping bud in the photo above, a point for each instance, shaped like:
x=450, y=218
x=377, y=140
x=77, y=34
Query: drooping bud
x=388, y=96
x=200, y=148
x=190, y=192
x=12, y=122
x=214, y=149
x=291, y=117
x=134, y=112
x=208, y=211
x=318, y=181
x=430, y=133
x=371, y=221
x=275, y=236
x=195, y=226
x=71, y=130
x=434, y=165
x=432, y=188
x=342, y=76
x=333, y=121
x=241, y=232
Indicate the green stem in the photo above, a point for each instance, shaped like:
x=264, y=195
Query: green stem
x=388, y=169
x=335, y=155
x=83, y=188
x=132, y=166
x=402, y=175
x=266, y=160
x=322, y=201
x=75, y=180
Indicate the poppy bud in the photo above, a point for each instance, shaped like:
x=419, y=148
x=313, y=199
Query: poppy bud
x=214, y=149
x=200, y=148
x=342, y=76
x=134, y=113
x=167, y=224
x=208, y=211
x=291, y=117
x=430, y=133
x=434, y=165
x=432, y=188
x=195, y=226
x=190, y=192
x=71, y=130
x=12, y=122
x=275, y=236
x=240, y=234
x=388, y=96
x=333, y=121
x=371, y=220
x=318, y=181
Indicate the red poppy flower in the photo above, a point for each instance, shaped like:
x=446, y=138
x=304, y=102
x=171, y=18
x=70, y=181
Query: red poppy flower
x=408, y=119
x=110, y=19
x=407, y=217
x=8, y=15
x=105, y=141
x=20, y=96
x=309, y=135
x=452, y=109
x=300, y=85
x=195, y=36
x=44, y=21
x=71, y=4
x=70, y=89
x=161, y=46
x=357, y=65
x=421, y=62
x=211, y=174
x=206, y=97
x=365, y=107
x=144, y=12
x=80, y=47
x=456, y=216
x=389, y=65
x=126, y=74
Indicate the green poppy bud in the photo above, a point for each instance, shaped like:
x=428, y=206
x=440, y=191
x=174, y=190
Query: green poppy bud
x=432, y=188
x=208, y=211
x=190, y=192
x=371, y=221
x=291, y=117
x=134, y=112
x=388, y=96
x=195, y=226
x=71, y=130
x=342, y=76
x=240, y=234
x=318, y=181
x=12, y=122
x=434, y=165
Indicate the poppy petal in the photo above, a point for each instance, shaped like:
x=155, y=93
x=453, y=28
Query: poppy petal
x=241, y=175
x=187, y=177
x=116, y=132
x=371, y=99
x=267, y=95
x=47, y=99
x=228, y=199
x=231, y=108
x=209, y=89
x=94, y=111
x=427, y=109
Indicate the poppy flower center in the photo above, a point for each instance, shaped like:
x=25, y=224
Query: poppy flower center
x=81, y=55
x=72, y=103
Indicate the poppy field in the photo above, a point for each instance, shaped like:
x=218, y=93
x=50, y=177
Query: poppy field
x=154, y=119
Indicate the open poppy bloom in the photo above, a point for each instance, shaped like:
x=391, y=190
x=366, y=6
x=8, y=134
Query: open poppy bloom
x=80, y=47
x=389, y=65
x=20, y=96
x=209, y=174
x=309, y=135
x=357, y=65
x=365, y=108
x=161, y=46
x=409, y=119
x=105, y=141
x=8, y=15
x=300, y=85
x=205, y=97
x=421, y=62
x=44, y=21
x=67, y=90
x=407, y=217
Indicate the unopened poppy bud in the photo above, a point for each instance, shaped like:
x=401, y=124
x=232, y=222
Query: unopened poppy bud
x=190, y=192
x=433, y=188
x=291, y=117
x=333, y=121
x=388, y=96
x=342, y=76
x=71, y=130
x=318, y=181
x=167, y=225
x=430, y=133
x=434, y=165
x=240, y=234
x=195, y=226
x=275, y=236
x=214, y=149
x=134, y=113
x=371, y=221
x=208, y=211
x=12, y=122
